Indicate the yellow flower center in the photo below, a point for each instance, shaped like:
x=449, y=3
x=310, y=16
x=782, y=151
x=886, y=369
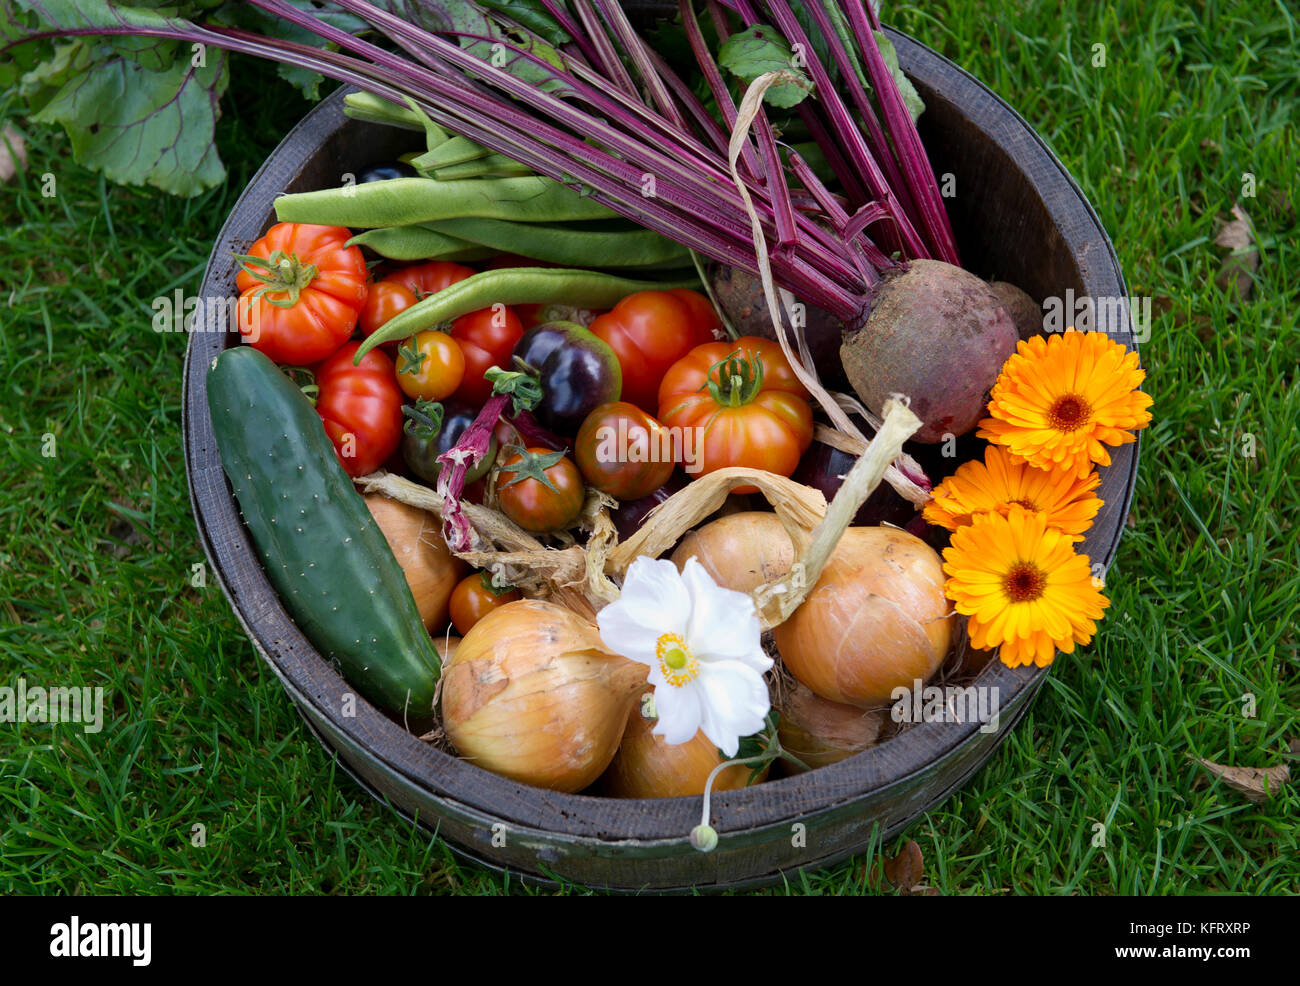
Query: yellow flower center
x=676, y=661
x=1069, y=413
x=1025, y=582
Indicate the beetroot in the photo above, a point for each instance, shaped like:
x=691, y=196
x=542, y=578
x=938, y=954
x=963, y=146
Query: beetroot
x=938, y=334
x=1024, y=310
x=740, y=295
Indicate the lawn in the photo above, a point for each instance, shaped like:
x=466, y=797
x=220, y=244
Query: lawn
x=204, y=779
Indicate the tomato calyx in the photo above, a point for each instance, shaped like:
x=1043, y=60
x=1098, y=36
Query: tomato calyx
x=523, y=388
x=424, y=420
x=734, y=381
x=281, y=273
x=531, y=465
x=410, y=359
x=489, y=581
x=304, y=380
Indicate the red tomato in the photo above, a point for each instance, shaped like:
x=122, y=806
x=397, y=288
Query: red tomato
x=430, y=366
x=738, y=404
x=473, y=598
x=624, y=452
x=300, y=291
x=361, y=407
x=535, y=505
x=386, y=299
x=487, y=338
x=430, y=278
x=703, y=313
x=649, y=331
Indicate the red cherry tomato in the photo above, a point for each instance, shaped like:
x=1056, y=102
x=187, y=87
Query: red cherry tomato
x=473, y=598
x=623, y=451
x=649, y=331
x=361, y=407
x=430, y=278
x=487, y=338
x=535, y=505
x=386, y=299
x=300, y=291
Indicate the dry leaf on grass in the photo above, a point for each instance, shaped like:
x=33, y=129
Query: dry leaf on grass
x=905, y=873
x=1256, y=784
x=1239, y=266
x=13, y=153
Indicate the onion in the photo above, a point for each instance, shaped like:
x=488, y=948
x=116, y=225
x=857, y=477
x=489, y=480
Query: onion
x=532, y=694
x=646, y=766
x=416, y=539
x=877, y=619
x=740, y=551
x=821, y=732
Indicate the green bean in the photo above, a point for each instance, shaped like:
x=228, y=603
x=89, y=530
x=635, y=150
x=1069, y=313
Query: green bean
x=492, y=166
x=403, y=201
x=515, y=286
x=570, y=247
x=458, y=150
x=373, y=109
x=418, y=243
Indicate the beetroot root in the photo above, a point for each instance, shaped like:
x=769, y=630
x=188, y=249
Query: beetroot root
x=937, y=334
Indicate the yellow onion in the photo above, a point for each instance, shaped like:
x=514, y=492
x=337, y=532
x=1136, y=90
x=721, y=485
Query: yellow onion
x=877, y=619
x=646, y=766
x=531, y=694
x=820, y=732
x=741, y=551
x=431, y=570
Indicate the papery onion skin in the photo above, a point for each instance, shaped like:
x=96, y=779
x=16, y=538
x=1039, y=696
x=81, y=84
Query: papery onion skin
x=877, y=619
x=647, y=766
x=416, y=539
x=740, y=551
x=533, y=695
x=819, y=732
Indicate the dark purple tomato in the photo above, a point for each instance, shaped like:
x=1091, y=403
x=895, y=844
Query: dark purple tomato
x=824, y=467
x=632, y=513
x=578, y=372
x=420, y=450
x=385, y=170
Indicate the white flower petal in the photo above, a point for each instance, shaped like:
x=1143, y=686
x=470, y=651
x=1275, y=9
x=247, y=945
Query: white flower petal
x=724, y=623
x=679, y=712
x=734, y=703
x=655, y=596
x=623, y=633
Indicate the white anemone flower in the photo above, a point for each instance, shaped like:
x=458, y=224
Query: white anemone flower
x=702, y=644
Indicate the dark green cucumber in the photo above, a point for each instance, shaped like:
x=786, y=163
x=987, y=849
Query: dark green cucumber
x=321, y=548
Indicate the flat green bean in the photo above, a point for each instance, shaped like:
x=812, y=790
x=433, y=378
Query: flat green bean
x=492, y=166
x=515, y=286
x=404, y=201
x=458, y=150
x=411, y=243
x=570, y=247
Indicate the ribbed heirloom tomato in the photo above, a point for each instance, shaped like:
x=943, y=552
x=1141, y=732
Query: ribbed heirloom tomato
x=361, y=407
x=738, y=404
x=649, y=331
x=300, y=291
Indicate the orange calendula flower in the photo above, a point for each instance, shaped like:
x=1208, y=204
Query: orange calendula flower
x=1060, y=400
x=1002, y=480
x=1023, y=587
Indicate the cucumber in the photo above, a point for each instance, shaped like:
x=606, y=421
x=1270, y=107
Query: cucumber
x=321, y=548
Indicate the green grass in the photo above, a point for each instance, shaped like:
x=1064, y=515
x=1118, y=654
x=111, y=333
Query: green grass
x=97, y=541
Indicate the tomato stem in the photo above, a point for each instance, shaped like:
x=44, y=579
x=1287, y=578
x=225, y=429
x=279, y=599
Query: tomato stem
x=280, y=274
x=735, y=380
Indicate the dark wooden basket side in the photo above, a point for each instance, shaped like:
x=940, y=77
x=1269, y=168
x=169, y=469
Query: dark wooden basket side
x=637, y=845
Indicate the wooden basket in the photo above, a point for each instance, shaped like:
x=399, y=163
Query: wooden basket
x=1018, y=217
